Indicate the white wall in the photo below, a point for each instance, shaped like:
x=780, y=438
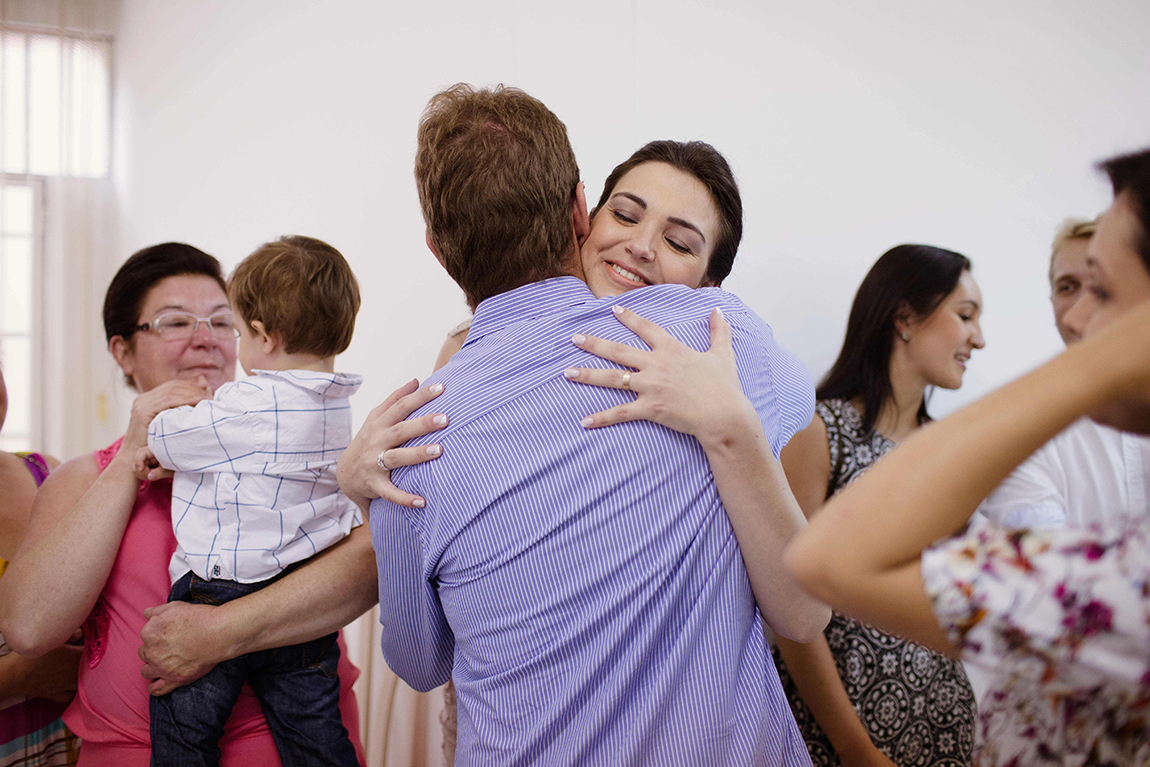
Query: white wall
x=968, y=125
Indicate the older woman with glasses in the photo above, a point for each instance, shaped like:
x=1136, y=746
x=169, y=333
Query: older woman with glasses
x=169, y=327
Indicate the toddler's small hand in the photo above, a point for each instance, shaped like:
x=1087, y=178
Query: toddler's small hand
x=147, y=468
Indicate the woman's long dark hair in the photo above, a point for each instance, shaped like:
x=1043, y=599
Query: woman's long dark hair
x=906, y=281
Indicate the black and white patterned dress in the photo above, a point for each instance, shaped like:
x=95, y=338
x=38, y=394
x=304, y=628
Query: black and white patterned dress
x=917, y=705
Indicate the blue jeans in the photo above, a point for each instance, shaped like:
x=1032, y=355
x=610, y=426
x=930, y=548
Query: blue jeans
x=298, y=687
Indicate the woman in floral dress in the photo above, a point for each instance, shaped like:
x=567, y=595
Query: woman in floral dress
x=1062, y=616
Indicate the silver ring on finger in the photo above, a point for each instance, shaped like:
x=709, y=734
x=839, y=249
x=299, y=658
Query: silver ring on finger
x=627, y=380
x=379, y=461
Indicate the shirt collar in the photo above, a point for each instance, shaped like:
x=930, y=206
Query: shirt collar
x=536, y=299
x=327, y=384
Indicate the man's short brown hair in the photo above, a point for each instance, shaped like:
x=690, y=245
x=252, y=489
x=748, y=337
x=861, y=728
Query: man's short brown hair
x=496, y=178
x=302, y=290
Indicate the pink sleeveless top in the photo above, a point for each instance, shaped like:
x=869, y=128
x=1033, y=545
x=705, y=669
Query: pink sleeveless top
x=110, y=711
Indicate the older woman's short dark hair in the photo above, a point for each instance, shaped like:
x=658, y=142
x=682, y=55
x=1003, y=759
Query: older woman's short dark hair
x=704, y=162
x=140, y=273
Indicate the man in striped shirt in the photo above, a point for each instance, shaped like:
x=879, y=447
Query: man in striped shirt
x=584, y=589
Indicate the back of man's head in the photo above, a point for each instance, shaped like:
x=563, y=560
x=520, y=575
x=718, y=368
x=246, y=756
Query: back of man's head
x=497, y=179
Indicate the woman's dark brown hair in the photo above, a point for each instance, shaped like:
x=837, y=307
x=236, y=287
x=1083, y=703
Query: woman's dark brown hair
x=907, y=280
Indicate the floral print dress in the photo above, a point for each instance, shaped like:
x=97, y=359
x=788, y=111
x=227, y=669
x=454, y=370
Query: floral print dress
x=1063, y=619
x=916, y=704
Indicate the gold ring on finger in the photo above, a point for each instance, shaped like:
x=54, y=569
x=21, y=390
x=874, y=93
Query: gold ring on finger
x=379, y=461
x=627, y=380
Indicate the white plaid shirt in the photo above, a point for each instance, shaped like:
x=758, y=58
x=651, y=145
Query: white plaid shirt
x=255, y=488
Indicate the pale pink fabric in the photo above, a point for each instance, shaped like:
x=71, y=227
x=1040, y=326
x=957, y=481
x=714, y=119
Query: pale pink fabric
x=110, y=711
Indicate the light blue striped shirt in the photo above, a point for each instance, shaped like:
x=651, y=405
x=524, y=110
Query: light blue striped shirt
x=584, y=588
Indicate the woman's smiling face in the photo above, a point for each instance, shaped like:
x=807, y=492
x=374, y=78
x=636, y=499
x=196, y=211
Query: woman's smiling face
x=658, y=226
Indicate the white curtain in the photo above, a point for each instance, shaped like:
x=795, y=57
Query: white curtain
x=55, y=153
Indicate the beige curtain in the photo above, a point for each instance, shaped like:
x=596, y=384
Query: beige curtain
x=400, y=727
x=55, y=150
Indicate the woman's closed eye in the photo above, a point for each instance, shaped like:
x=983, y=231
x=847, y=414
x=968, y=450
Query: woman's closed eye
x=678, y=246
x=623, y=217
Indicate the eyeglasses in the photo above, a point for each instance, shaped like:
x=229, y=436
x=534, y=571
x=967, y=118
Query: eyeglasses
x=177, y=326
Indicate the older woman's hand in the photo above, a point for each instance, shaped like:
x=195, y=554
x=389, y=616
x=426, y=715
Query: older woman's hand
x=181, y=643
x=364, y=470
x=696, y=393
x=154, y=401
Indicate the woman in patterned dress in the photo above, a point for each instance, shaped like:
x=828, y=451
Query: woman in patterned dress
x=1064, y=615
x=862, y=696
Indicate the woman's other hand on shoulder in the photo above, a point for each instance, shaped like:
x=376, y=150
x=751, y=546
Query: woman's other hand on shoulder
x=364, y=469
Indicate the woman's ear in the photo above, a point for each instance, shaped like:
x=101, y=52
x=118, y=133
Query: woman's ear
x=904, y=322
x=121, y=350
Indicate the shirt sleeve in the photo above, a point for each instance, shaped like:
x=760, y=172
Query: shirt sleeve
x=1074, y=600
x=1032, y=496
x=417, y=642
x=216, y=434
x=774, y=380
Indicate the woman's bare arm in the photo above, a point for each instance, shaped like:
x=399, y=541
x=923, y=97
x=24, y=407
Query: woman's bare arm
x=928, y=487
x=78, y=518
x=806, y=461
x=15, y=503
x=77, y=523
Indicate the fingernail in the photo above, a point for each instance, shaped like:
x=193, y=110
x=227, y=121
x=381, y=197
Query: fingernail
x=719, y=311
x=578, y=338
x=419, y=503
x=617, y=309
x=587, y=422
x=433, y=449
x=439, y=420
x=436, y=388
x=571, y=373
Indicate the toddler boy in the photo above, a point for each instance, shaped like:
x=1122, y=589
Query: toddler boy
x=255, y=493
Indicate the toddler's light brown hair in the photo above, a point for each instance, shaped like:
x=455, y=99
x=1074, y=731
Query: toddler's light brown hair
x=302, y=290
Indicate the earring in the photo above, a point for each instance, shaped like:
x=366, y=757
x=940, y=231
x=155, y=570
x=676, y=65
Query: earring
x=905, y=336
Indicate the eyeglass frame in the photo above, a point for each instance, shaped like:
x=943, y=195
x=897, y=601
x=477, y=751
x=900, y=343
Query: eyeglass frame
x=144, y=326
